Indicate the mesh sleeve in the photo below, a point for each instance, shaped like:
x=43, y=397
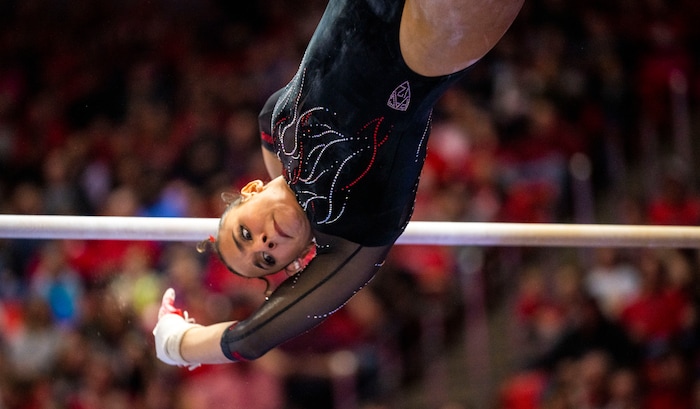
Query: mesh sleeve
x=303, y=301
x=265, y=121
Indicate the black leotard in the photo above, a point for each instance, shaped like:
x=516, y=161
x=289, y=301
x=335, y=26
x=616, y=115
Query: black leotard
x=350, y=130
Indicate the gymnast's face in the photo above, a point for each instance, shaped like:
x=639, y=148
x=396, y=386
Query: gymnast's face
x=266, y=232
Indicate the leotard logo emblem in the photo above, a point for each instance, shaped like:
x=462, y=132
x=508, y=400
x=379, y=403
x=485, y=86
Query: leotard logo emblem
x=400, y=97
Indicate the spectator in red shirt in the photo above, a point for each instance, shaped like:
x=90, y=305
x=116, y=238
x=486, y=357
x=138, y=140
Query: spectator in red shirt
x=675, y=204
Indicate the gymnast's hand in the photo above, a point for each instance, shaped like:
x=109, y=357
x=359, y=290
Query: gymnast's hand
x=169, y=331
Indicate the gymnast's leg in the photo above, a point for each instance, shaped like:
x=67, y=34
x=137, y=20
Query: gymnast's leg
x=440, y=37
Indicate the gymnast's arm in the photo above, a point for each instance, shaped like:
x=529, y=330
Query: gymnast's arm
x=301, y=302
x=200, y=344
x=272, y=163
x=340, y=269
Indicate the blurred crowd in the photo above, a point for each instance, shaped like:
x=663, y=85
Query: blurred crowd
x=584, y=113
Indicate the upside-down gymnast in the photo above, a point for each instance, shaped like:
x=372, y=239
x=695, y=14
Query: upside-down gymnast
x=344, y=143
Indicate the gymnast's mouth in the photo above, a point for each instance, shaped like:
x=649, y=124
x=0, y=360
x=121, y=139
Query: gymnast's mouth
x=279, y=230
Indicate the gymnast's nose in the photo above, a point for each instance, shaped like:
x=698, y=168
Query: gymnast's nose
x=266, y=242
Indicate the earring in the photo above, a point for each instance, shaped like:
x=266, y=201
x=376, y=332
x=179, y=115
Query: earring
x=228, y=197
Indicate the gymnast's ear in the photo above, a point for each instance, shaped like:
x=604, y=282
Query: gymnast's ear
x=253, y=187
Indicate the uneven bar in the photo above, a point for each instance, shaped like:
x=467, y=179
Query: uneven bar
x=417, y=232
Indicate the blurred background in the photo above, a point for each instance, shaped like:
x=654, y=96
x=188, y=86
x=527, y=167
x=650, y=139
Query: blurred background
x=586, y=112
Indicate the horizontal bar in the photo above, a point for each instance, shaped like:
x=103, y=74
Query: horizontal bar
x=551, y=235
x=106, y=228
x=417, y=232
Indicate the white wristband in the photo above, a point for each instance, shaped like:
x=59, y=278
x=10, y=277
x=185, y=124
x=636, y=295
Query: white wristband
x=168, y=334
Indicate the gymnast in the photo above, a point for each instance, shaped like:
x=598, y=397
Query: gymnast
x=344, y=144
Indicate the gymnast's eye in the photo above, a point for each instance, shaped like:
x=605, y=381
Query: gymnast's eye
x=245, y=234
x=268, y=259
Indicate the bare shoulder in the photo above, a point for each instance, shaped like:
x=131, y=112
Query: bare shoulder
x=440, y=37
